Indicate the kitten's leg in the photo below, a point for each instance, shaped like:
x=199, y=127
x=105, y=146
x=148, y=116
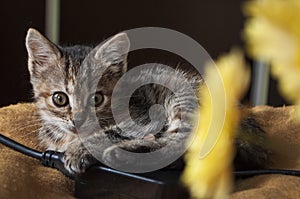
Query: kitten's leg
x=76, y=157
x=169, y=144
x=143, y=152
x=88, y=150
x=251, y=148
x=118, y=153
x=79, y=154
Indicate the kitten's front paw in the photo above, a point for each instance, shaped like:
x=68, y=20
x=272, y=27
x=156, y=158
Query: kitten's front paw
x=129, y=152
x=77, y=160
x=116, y=156
x=174, y=126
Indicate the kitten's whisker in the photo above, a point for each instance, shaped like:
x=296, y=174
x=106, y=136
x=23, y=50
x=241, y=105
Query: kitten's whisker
x=31, y=121
x=18, y=129
x=28, y=123
x=30, y=133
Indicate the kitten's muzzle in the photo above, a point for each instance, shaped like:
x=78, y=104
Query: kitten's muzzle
x=78, y=122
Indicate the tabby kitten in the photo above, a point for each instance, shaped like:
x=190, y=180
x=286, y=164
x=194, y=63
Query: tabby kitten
x=64, y=82
x=73, y=87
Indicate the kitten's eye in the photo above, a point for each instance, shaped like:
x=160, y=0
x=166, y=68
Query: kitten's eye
x=97, y=99
x=60, y=99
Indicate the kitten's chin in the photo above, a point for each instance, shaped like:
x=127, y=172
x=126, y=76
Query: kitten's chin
x=86, y=131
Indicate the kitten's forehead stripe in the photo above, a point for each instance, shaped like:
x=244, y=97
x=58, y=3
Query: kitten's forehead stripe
x=73, y=57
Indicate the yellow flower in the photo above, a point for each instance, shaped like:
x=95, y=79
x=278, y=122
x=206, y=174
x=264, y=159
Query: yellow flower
x=273, y=35
x=208, y=172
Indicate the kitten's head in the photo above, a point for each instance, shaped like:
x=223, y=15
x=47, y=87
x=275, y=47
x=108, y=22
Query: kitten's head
x=66, y=80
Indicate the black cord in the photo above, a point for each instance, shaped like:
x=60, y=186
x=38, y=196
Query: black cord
x=48, y=158
x=250, y=173
x=55, y=159
x=20, y=148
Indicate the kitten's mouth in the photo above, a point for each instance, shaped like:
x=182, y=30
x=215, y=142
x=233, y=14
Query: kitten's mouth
x=78, y=131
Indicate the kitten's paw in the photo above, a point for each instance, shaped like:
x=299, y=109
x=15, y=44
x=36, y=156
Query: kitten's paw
x=129, y=152
x=174, y=126
x=149, y=137
x=77, y=161
x=117, y=156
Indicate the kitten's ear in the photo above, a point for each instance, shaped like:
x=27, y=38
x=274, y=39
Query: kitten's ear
x=41, y=52
x=114, y=52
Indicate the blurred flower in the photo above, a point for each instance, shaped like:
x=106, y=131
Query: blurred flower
x=273, y=35
x=208, y=172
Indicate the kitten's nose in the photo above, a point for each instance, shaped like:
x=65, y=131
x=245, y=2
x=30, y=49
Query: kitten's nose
x=78, y=122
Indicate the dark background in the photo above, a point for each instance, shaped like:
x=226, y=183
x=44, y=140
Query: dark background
x=215, y=24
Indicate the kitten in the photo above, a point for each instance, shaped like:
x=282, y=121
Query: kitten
x=65, y=100
x=70, y=98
